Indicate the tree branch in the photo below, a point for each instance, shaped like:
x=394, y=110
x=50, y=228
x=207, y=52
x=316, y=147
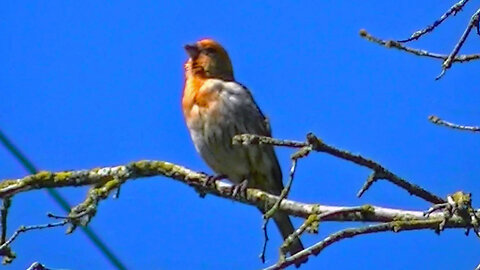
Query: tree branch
x=145, y=168
x=419, y=52
x=394, y=226
x=453, y=10
x=458, y=204
x=449, y=61
x=436, y=120
x=379, y=172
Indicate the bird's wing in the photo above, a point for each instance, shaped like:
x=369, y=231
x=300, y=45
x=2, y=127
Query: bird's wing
x=266, y=122
x=246, y=109
x=250, y=119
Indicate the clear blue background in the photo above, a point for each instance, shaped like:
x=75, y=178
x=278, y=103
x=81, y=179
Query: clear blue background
x=98, y=83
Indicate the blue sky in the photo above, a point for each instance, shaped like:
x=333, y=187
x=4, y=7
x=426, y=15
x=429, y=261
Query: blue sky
x=91, y=84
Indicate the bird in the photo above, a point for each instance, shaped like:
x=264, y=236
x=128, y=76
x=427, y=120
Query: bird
x=216, y=108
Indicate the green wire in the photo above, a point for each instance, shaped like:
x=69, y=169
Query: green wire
x=62, y=202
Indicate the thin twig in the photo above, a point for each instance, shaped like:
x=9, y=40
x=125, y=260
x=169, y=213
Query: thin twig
x=284, y=192
x=453, y=10
x=30, y=228
x=370, y=180
x=436, y=120
x=379, y=171
x=303, y=152
x=397, y=45
x=265, y=240
x=394, y=226
x=448, y=62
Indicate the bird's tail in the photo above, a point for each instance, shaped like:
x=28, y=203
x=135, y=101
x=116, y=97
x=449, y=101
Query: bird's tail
x=285, y=226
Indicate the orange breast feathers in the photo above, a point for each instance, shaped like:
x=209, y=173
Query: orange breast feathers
x=198, y=98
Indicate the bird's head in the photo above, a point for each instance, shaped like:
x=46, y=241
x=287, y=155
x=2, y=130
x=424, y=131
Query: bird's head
x=209, y=59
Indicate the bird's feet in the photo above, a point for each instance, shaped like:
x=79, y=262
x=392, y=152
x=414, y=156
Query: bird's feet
x=458, y=203
x=211, y=179
x=240, y=189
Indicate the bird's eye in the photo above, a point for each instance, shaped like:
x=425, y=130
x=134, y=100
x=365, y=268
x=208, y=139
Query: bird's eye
x=209, y=50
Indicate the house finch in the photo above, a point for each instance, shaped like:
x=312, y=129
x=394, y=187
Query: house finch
x=216, y=108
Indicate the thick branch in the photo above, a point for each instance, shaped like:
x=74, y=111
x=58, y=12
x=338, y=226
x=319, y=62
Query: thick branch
x=199, y=181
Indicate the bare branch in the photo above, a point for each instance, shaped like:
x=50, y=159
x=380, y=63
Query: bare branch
x=397, y=45
x=30, y=228
x=453, y=10
x=448, y=59
x=379, y=171
x=436, y=120
x=394, y=226
x=448, y=62
x=285, y=190
x=265, y=241
x=197, y=180
x=303, y=152
x=5, y=247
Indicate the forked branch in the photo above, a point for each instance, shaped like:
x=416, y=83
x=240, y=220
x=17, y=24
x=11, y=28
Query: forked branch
x=449, y=59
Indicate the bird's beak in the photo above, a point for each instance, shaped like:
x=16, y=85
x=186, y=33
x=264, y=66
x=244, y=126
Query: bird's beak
x=192, y=50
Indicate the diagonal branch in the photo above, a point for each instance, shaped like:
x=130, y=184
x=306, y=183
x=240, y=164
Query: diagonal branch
x=379, y=172
x=394, y=226
x=451, y=57
x=453, y=10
